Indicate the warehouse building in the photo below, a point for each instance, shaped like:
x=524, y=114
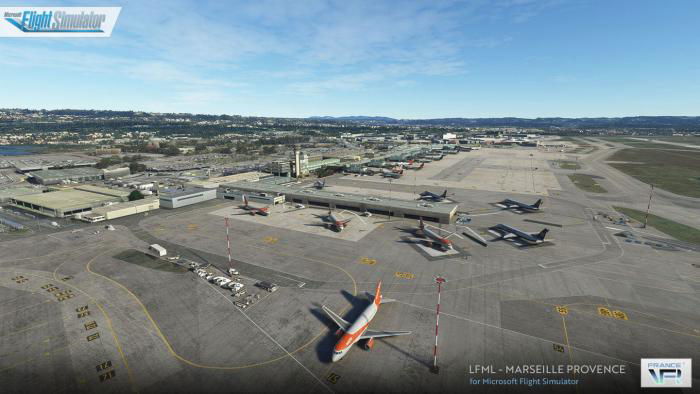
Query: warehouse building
x=122, y=194
x=435, y=212
x=67, y=202
x=6, y=193
x=53, y=177
x=180, y=198
x=114, y=211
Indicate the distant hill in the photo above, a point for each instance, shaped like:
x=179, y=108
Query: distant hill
x=628, y=121
x=382, y=119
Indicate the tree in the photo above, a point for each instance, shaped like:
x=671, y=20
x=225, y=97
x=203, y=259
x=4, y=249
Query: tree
x=135, y=195
x=108, y=161
x=269, y=149
x=170, y=150
x=135, y=167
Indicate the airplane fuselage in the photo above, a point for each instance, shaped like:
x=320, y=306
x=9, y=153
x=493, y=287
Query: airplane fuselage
x=516, y=204
x=431, y=196
x=355, y=332
x=338, y=224
x=441, y=241
x=527, y=237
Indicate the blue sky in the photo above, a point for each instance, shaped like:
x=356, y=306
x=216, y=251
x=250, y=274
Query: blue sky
x=404, y=59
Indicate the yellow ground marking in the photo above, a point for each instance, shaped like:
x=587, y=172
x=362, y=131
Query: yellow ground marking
x=568, y=345
x=192, y=226
x=270, y=240
x=172, y=351
x=620, y=315
x=562, y=310
x=605, y=312
x=368, y=261
x=104, y=313
x=404, y=275
x=650, y=315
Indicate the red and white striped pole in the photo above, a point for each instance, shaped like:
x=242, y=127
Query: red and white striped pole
x=435, y=369
x=228, y=244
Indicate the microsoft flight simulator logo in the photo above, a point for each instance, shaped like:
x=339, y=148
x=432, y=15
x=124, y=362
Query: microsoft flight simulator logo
x=58, y=22
x=664, y=372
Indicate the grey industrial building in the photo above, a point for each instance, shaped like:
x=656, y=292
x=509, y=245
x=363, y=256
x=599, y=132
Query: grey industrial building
x=52, y=177
x=69, y=201
x=180, y=198
x=435, y=212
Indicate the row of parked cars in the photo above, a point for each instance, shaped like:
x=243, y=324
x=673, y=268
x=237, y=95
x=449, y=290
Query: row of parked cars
x=222, y=281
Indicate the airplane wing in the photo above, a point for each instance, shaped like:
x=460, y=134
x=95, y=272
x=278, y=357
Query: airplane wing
x=379, y=334
x=342, y=323
x=509, y=235
x=385, y=300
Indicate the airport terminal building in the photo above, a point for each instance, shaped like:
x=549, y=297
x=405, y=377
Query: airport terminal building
x=434, y=212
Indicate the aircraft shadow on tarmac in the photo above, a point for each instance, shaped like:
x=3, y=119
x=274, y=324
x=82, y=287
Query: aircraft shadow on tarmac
x=516, y=211
x=324, y=347
x=418, y=241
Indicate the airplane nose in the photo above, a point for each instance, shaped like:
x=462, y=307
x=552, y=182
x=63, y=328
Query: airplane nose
x=337, y=356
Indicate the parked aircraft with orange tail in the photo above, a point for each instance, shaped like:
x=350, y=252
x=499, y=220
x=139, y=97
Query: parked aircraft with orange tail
x=253, y=210
x=358, y=330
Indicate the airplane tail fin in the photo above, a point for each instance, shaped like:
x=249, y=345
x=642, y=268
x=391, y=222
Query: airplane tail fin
x=538, y=203
x=378, y=294
x=444, y=194
x=542, y=234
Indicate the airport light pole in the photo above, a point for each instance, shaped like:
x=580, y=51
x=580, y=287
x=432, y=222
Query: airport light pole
x=435, y=369
x=228, y=244
x=646, y=217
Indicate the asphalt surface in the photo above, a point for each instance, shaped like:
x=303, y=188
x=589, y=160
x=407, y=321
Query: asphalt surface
x=587, y=297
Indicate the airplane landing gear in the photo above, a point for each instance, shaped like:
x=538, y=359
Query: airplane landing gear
x=369, y=344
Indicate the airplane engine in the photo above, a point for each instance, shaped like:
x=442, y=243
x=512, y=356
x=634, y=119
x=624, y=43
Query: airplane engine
x=369, y=344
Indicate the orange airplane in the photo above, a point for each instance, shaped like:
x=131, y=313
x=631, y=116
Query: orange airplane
x=357, y=331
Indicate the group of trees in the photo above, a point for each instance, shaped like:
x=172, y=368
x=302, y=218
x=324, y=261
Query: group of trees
x=133, y=161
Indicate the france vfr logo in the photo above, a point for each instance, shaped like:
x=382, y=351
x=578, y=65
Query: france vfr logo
x=666, y=372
